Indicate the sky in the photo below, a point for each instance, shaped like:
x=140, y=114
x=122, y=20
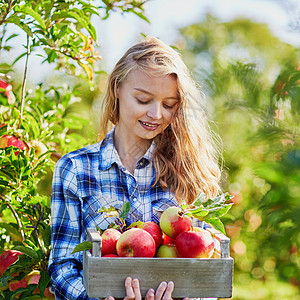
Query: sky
x=119, y=32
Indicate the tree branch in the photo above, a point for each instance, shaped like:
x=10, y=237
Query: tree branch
x=24, y=80
x=15, y=216
x=6, y=13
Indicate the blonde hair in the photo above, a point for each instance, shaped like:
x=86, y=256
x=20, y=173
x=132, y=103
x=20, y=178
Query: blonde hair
x=186, y=158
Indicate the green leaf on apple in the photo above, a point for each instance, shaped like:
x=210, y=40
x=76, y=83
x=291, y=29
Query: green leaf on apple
x=124, y=210
x=137, y=224
x=200, y=199
x=211, y=210
x=86, y=245
x=109, y=212
x=217, y=224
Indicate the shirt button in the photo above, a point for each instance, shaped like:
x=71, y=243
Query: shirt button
x=134, y=199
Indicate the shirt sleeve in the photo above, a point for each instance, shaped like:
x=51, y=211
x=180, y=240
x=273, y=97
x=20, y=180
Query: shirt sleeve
x=65, y=269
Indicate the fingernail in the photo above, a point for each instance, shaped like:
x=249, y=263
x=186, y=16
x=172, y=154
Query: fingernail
x=128, y=279
x=135, y=282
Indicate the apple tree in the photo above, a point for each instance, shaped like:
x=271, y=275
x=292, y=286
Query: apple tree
x=252, y=80
x=38, y=126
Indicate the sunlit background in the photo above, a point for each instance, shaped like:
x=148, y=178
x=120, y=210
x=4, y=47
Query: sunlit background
x=245, y=56
x=167, y=16
x=119, y=32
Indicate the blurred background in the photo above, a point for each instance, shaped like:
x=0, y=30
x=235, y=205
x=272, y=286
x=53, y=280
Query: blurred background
x=245, y=57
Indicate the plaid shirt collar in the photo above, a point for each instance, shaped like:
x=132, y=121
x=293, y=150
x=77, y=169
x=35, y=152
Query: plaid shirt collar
x=109, y=154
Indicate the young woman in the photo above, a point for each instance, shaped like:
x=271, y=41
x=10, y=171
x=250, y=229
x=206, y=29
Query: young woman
x=156, y=151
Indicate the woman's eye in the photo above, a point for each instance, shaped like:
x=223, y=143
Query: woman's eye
x=142, y=101
x=168, y=106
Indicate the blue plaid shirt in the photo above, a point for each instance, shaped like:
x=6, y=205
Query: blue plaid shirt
x=84, y=181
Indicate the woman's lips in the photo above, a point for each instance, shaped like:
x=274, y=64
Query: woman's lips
x=149, y=126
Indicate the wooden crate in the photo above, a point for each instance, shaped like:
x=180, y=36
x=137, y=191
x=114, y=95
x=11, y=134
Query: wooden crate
x=193, y=277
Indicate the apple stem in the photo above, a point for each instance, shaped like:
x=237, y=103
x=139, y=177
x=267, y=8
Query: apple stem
x=16, y=217
x=24, y=81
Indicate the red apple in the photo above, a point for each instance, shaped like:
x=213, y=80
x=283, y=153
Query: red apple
x=167, y=240
x=15, y=284
x=155, y=232
x=9, y=140
x=110, y=255
x=136, y=242
x=7, y=258
x=49, y=294
x=167, y=251
x=152, y=228
x=32, y=278
x=6, y=88
x=110, y=237
x=195, y=244
x=173, y=221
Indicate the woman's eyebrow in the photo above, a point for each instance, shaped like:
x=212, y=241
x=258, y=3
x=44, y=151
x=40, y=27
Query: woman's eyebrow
x=150, y=94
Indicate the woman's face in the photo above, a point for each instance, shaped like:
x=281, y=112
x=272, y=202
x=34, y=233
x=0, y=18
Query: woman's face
x=146, y=105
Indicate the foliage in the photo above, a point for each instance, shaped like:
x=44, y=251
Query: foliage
x=210, y=210
x=44, y=119
x=251, y=80
x=118, y=223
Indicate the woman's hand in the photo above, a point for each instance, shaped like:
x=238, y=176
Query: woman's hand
x=133, y=292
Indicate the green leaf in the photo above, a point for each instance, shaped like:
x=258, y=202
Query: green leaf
x=109, y=212
x=217, y=224
x=196, y=210
x=86, y=245
x=16, y=20
x=200, y=199
x=137, y=224
x=5, y=279
x=29, y=11
x=27, y=251
x=43, y=282
x=73, y=15
x=200, y=214
x=4, y=183
x=32, y=297
x=222, y=210
x=88, y=70
x=217, y=201
x=125, y=210
x=11, y=37
x=139, y=14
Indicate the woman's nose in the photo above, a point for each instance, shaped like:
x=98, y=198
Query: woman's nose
x=154, y=111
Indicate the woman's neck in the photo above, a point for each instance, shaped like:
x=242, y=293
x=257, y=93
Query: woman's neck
x=130, y=150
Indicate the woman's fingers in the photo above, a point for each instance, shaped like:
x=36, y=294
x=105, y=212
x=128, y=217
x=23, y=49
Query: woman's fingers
x=164, y=291
x=136, y=289
x=132, y=287
x=168, y=293
x=160, y=290
x=150, y=295
x=129, y=289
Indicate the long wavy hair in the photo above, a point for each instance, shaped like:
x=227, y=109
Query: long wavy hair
x=187, y=158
